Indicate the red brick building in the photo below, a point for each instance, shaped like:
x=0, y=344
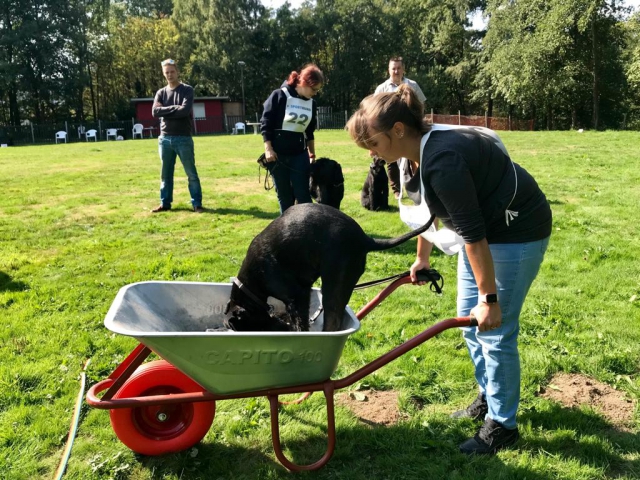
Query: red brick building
x=208, y=112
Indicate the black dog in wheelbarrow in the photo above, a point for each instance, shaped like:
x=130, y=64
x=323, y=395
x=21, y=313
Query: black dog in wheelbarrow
x=309, y=241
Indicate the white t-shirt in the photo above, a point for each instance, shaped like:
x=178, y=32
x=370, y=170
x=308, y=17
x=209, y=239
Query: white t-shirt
x=389, y=86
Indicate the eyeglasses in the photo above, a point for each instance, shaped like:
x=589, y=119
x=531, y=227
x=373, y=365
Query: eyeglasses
x=169, y=61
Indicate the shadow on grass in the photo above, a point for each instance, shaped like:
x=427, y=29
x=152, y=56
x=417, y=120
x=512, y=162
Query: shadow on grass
x=402, y=451
x=212, y=460
x=570, y=433
x=254, y=212
x=8, y=285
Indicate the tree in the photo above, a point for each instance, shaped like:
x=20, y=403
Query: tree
x=552, y=56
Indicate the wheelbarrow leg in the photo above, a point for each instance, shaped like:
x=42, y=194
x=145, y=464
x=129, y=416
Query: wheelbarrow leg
x=331, y=432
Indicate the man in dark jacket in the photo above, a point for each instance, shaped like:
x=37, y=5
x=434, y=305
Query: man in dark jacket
x=173, y=104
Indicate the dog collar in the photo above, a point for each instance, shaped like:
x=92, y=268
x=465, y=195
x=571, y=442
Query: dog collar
x=253, y=297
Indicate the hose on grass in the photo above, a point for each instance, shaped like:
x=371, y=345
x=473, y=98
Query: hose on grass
x=74, y=425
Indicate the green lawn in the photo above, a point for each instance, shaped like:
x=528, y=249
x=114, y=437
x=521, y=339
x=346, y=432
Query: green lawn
x=75, y=227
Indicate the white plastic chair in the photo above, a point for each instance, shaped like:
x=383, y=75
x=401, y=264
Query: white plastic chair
x=112, y=132
x=81, y=131
x=137, y=130
x=61, y=135
x=91, y=134
x=239, y=126
x=119, y=137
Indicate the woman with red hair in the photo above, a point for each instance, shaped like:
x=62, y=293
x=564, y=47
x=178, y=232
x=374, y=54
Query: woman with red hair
x=288, y=122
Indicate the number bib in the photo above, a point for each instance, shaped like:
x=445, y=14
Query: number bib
x=297, y=114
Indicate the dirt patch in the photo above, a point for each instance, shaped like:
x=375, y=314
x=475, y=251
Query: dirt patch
x=372, y=407
x=572, y=390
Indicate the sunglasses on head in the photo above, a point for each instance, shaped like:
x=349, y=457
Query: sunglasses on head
x=168, y=62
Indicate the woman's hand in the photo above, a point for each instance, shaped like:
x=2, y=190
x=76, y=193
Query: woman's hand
x=419, y=264
x=270, y=154
x=489, y=316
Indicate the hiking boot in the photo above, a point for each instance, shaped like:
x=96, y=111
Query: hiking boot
x=477, y=410
x=198, y=209
x=491, y=437
x=161, y=208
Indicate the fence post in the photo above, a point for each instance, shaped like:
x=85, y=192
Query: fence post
x=509, y=122
x=100, y=129
x=66, y=128
x=459, y=122
x=486, y=120
x=432, y=115
x=33, y=137
x=624, y=122
x=345, y=118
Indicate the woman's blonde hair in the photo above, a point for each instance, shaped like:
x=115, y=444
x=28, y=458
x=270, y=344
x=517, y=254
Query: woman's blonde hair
x=381, y=111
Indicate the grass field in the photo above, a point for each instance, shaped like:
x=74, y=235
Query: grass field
x=75, y=227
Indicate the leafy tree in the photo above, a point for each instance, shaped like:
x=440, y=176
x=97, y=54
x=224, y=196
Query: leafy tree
x=561, y=57
x=127, y=64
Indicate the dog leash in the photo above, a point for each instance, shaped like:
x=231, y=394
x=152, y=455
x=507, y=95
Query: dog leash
x=267, y=187
x=262, y=163
x=432, y=276
x=254, y=298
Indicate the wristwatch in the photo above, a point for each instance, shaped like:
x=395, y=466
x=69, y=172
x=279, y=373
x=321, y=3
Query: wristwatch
x=488, y=298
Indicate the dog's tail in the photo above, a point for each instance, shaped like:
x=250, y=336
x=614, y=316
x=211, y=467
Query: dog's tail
x=393, y=242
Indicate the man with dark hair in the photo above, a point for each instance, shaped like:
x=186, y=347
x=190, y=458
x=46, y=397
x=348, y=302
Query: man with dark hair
x=173, y=104
x=396, y=78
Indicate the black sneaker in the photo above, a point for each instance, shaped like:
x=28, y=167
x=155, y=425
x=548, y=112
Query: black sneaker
x=198, y=209
x=477, y=410
x=491, y=437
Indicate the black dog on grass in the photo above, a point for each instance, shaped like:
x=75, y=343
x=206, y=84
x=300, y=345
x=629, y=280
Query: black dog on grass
x=309, y=241
x=326, y=182
x=375, y=191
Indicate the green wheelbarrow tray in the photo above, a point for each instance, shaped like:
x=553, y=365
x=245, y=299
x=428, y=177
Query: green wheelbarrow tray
x=157, y=408
x=183, y=322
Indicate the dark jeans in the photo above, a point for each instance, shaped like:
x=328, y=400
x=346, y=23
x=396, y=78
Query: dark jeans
x=169, y=147
x=291, y=177
x=393, y=171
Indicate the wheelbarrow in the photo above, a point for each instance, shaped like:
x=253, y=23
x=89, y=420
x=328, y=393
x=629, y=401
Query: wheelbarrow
x=168, y=405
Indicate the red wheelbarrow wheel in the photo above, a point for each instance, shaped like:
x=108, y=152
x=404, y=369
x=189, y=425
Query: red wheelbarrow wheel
x=160, y=429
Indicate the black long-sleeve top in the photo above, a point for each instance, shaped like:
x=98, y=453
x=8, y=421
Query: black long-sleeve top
x=469, y=182
x=273, y=116
x=176, y=112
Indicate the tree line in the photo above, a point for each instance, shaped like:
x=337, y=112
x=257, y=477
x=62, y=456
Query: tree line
x=564, y=63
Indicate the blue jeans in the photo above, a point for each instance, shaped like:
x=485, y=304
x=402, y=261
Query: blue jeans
x=495, y=353
x=169, y=146
x=291, y=177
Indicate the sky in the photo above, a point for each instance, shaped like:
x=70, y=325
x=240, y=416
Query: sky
x=478, y=22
